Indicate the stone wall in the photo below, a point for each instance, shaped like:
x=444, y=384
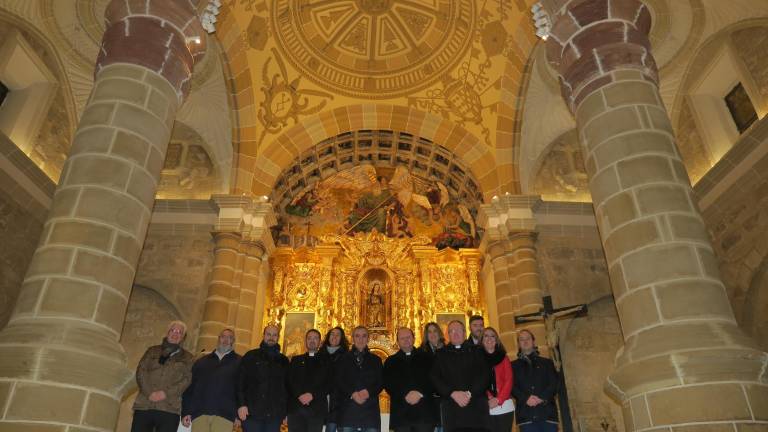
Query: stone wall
x=176, y=262
x=733, y=198
x=750, y=43
x=574, y=271
x=695, y=154
x=21, y=220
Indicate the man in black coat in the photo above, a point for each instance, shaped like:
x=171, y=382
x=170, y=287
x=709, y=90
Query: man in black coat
x=406, y=379
x=262, y=392
x=359, y=382
x=461, y=377
x=476, y=328
x=209, y=404
x=535, y=386
x=308, y=384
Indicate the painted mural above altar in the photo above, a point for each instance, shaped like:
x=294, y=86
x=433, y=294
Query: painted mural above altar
x=390, y=200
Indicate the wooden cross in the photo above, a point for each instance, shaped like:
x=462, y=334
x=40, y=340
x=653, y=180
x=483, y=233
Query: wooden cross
x=549, y=315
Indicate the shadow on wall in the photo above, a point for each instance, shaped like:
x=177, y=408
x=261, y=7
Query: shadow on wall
x=755, y=310
x=588, y=347
x=146, y=321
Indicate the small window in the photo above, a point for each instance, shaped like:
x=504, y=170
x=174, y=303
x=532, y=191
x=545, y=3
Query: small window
x=3, y=92
x=741, y=108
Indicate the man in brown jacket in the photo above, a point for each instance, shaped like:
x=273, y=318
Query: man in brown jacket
x=163, y=374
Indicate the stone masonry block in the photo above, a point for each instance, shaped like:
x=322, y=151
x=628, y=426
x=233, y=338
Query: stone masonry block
x=644, y=169
x=630, y=237
x=667, y=261
x=96, y=139
x=637, y=310
x=98, y=170
x=74, y=233
x=603, y=185
x=610, y=124
x=631, y=93
x=112, y=208
x=42, y=402
x=59, y=295
x=101, y=411
x=617, y=210
x=693, y=299
x=635, y=144
x=111, y=310
x=663, y=198
x=50, y=261
x=145, y=124
x=123, y=90
x=131, y=147
x=104, y=269
x=666, y=409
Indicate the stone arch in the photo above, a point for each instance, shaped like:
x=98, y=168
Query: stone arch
x=588, y=347
x=234, y=43
x=279, y=154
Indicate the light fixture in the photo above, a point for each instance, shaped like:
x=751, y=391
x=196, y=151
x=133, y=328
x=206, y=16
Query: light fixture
x=541, y=21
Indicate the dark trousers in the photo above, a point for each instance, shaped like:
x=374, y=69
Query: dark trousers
x=501, y=422
x=416, y=428
x=542, y=426
x=154, y=421
x=303, y=421
x=262, y=425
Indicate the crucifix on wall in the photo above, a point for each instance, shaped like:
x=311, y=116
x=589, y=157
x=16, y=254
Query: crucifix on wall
x=549, y=315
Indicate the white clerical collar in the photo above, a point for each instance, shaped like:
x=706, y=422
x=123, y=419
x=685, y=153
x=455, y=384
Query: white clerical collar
x=408, y=353
x=457, y=346
x=311, y=353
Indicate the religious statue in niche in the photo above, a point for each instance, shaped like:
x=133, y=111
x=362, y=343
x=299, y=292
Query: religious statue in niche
x=391, y=201
x=376, y=304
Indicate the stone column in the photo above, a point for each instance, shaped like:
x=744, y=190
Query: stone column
x=243, y=240
x=249, y=284
x=511, y=228
x=685, y=365
x=61, y=366
x=216, y=313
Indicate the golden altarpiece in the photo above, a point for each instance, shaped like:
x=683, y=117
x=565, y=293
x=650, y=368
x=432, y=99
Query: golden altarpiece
x=373, y=280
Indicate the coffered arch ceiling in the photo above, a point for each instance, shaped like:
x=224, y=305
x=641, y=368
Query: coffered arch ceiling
x=462, y=60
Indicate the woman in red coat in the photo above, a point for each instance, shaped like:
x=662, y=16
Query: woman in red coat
x=500, y=404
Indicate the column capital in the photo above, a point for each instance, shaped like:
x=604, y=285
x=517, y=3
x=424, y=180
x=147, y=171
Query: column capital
x=508, y=214
x=250, y=217
x=590, y=39
x=165, y=36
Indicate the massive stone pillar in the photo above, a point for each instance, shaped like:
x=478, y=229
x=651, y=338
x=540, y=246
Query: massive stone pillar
x=685, y=365
x=61, y=366
x=243, y=240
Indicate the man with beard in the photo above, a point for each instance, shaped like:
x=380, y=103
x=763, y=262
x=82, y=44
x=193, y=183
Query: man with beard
x=406, y=379
x=358, y=376
x=209, y=403
x=261, y=385
x=308, y=385
x=461, y=377
x=476, y=328
x=163, y=374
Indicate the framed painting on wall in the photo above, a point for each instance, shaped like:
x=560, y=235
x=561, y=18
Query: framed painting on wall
x=295, y=326
x=443, y=319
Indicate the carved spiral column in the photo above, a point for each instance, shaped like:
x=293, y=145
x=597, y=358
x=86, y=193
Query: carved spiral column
x=685, y=361
x=61, y=366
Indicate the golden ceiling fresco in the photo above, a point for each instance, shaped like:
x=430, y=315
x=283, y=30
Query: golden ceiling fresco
x=292, y=60
x=373, y=48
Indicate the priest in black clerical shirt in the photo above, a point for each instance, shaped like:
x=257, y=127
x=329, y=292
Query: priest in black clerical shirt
x=406, y=379
x=308, y=383
x=461, y=377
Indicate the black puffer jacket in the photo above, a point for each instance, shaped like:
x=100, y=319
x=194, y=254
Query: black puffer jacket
x=535, y=375
x=353, y=376
x=262, y=382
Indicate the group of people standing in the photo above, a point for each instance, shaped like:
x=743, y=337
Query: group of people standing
x=455, y=385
